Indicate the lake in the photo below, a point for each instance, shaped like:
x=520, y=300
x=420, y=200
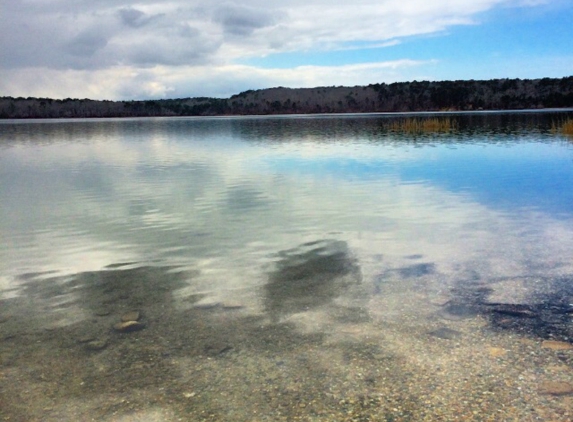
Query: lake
x=313, y=268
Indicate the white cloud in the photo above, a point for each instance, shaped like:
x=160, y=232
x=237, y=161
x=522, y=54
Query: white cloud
x=238, y=20
x=185, y=81
x=177, y=43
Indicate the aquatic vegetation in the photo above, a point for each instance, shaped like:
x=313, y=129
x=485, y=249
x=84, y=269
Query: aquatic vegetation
x=423, y=125
x=567, y=127
x=564, y=127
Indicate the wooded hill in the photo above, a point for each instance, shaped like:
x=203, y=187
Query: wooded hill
x=495, y=94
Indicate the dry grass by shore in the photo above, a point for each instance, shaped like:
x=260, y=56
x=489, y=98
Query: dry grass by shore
x=564, y=127
x=423, y=125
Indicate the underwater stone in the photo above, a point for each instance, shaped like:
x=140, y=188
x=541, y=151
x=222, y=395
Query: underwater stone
x=95, y=345
x=128, y=326
x=131, y=316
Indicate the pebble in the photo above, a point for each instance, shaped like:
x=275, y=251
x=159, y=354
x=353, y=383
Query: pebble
x=95, y=345
x=520, y=311
x=207, y=305
x=232, y=305
x=131, y=316
x=445, y=333
x=458, y=311
x=555, y=388
x=440, y=300
x=217, y=349
x=128, y=326
x=86, y=338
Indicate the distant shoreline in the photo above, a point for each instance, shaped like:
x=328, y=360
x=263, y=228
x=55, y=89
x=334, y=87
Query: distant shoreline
x=416, y=96
x=310, y=115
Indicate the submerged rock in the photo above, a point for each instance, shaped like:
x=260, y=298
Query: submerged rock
x=520, y=311
x=556, y=345
x=217, y=349
x=445, y=333
x=454, y=311
x=128, y=326
x=97, y=344
x=86, y=338
x=131, y=316
x=555, y=388
x=232, y=305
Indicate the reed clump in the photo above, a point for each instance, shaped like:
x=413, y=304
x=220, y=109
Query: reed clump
x=564, y=127
x=423, y=125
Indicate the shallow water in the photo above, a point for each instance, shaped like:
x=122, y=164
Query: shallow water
x=286, y=268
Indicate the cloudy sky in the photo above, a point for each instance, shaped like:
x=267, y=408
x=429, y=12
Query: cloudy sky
x=139, y=49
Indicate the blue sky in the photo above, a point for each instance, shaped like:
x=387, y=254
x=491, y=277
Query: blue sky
x=510, y=37
x=535, y=176
x=127, y=49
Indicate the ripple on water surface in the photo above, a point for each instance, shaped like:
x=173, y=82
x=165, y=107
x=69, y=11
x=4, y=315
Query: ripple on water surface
x=330, y=269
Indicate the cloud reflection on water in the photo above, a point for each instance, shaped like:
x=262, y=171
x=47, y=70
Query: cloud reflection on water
x=193, y=193
x=287, y=268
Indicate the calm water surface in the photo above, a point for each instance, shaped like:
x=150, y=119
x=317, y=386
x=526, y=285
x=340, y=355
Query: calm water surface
x=286, y=268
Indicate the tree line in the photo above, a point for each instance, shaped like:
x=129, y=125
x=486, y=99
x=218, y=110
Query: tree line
x=495, y=94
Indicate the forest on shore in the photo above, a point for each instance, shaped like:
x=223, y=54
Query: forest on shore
x=494, y=94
